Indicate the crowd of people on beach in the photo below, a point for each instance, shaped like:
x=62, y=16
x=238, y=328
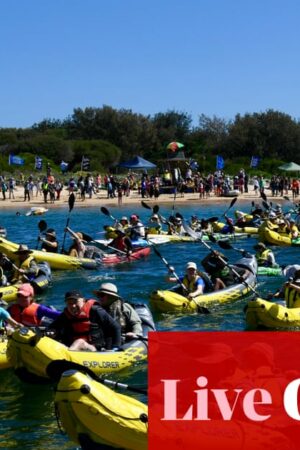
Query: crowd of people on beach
x=113, y=186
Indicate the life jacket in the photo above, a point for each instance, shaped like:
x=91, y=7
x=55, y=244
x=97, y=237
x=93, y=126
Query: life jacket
x=119, y=244
x=262, y=258
x=25, y=265
x=27, y=316
x=190, y=285
x=82, y=326
x=292, y=297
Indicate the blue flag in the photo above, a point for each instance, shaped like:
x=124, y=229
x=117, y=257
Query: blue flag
x=220, y=162
x=254, y=161
x=15, y=160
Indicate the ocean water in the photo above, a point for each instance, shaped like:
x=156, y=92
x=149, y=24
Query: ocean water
x=27, y=418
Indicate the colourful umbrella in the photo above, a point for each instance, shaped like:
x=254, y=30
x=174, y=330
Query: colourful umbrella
x=174, y=146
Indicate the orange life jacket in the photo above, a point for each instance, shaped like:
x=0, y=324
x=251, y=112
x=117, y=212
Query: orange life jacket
x=81, y=324
x=27, y=316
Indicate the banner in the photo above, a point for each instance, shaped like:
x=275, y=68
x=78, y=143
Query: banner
x=15, y=160
x=220, y=162
x=223, y=390
x=254, y=161
x=85, y=163
x=64, y=166
x=38, y=163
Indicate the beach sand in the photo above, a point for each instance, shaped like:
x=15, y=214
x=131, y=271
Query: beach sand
x=100, y=199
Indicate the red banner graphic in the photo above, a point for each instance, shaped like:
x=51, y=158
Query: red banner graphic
x=224, y=390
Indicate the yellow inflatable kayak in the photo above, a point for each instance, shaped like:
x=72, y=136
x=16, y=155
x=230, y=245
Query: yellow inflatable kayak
x=263, y=313
x=171, y=302
x=92, y=413
x=218, y=226
x=30, y=353
x=4, y=362
x=274, y=238
x=55, y=260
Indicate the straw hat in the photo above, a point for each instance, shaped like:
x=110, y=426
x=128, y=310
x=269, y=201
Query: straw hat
x=23, y=249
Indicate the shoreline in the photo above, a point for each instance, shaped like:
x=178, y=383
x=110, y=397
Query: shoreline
x=100, y=199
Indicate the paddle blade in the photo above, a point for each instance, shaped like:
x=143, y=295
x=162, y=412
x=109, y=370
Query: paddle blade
x=266, y=205
x=144, y=204
x=286, y=198
x=263, y=196
x=71, y=201
x=42, y=225
x=104, y=210
x=233, y=201
x=224, y=244
x=155, y=209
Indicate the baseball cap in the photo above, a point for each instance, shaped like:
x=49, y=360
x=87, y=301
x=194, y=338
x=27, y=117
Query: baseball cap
x=191, y=265
x=26, y=290
x=73, y=295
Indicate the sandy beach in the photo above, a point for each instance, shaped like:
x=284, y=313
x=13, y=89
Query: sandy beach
x=100, y=199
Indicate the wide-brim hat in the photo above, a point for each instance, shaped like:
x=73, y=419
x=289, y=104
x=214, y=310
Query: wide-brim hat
x=23, y=249
x=107, y=288
x=51, y=232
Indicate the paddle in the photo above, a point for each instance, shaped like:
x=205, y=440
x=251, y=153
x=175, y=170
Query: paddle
x=107, y=213
x=42, y=227
x=174, y=200
x=200, y=309
x=233, y=201
x=192, y=233
x=56, y=368
x=16, y=268
x=71, y=202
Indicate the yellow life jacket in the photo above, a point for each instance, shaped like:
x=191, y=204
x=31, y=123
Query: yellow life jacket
x=190, y=285
x=292, y=297
x=262, y=257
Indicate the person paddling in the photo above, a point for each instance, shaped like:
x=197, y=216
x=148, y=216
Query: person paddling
x=193, y=282
x=77, y=248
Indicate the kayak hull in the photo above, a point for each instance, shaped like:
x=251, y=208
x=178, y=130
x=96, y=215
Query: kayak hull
x=92, y=412
x=263, y=313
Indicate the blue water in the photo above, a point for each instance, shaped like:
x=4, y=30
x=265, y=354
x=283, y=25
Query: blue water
x=27, y=418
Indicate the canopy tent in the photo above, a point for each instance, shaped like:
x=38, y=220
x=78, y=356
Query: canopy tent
x=137, y=163
x=290, y=167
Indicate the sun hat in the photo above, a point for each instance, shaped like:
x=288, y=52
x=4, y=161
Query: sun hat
x=272, y=215
x=134, y=217
x=73, y=295
x=22, y=249
x=107, y=288
x=155, y=216
x=124, y=218
x=191, y=265
x=26, y=290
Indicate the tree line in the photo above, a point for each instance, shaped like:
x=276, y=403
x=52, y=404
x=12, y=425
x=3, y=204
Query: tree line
x=108, y=136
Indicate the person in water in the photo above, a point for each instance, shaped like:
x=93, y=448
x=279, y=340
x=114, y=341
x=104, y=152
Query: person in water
x=85, y=325
x=120, y=310
x=192, y=281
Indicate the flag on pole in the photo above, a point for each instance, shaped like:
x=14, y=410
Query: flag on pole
x=38, y=163
x=220, y=163
x=254, y=161
x=15, y=160
x=85, y=163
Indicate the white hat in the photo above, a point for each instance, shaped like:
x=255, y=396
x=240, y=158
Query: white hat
x=107, y=288
x=155, y=216
x=272, y=215
x=191, y=265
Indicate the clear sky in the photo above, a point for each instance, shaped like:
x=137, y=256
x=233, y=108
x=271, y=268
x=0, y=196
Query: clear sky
x=216, y=57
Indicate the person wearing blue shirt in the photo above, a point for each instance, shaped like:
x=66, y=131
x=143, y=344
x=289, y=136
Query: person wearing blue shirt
x=193, y=282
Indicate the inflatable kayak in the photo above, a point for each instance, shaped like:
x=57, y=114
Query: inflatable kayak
x=40, y=284
x=274, y=238
x=155, y=239
x=263, y=313
x=172, y=302
x=30, y=352
x=269, y=271
x=117, y=258
x=218, y=226
x=4, y=362
x=55, y=260
x=92, y=414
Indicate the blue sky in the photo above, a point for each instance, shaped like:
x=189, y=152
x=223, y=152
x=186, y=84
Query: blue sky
x=216, y=57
